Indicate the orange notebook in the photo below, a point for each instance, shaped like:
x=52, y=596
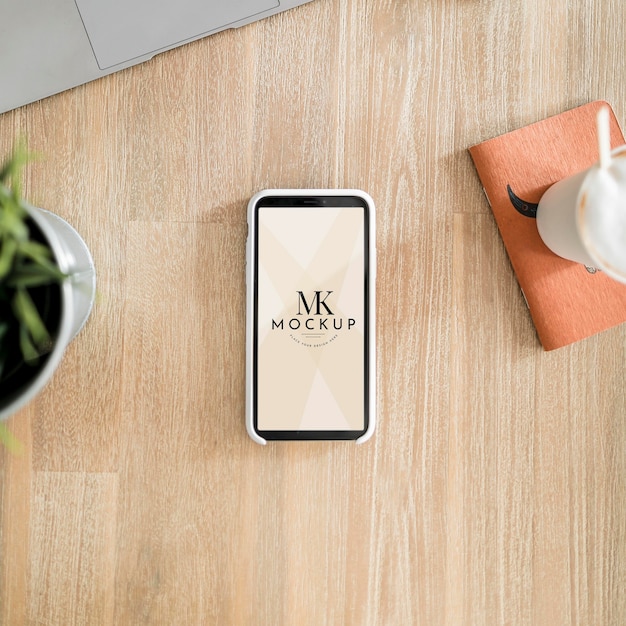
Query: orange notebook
x=567, y=301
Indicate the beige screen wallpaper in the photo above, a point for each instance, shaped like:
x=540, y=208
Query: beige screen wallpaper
x=311, y=318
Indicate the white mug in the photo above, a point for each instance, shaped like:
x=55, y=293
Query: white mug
x=579, y=217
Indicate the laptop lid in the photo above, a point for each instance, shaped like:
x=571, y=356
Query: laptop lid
x=121, y=30
x=47, y=46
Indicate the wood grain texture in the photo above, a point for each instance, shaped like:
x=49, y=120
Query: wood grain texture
x=493, y=489
x=72, y=548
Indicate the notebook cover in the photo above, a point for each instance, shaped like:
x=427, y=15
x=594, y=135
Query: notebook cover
x=567, y=302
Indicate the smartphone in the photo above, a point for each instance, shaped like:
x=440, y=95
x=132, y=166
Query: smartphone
x=311, y=278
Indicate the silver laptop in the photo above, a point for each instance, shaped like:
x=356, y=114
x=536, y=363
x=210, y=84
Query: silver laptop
x=47, y=46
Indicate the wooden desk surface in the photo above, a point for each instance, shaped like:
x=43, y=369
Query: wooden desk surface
x=494, y=489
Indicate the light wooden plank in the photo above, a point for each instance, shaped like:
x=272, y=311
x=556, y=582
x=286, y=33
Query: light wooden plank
x=490, y=516
x=72, y=548
x=15, y=517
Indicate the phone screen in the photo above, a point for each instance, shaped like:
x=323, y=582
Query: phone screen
x=311, y=318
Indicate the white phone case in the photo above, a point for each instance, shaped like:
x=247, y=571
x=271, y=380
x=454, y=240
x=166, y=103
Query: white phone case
x=250, y=272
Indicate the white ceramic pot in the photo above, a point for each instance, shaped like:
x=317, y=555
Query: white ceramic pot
x=77, y=298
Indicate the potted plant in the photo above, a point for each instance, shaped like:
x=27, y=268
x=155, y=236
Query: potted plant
x=47, y=288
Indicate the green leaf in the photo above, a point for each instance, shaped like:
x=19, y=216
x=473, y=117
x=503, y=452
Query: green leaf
x=27, y=313
x=8, y=168
x=9, y=441
x=24, y=263
x=29, y=352
x=7, y=255
x=28, y=280
x=36, y=251
x=13, y=165
x=32, y=275
x=12, y=218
